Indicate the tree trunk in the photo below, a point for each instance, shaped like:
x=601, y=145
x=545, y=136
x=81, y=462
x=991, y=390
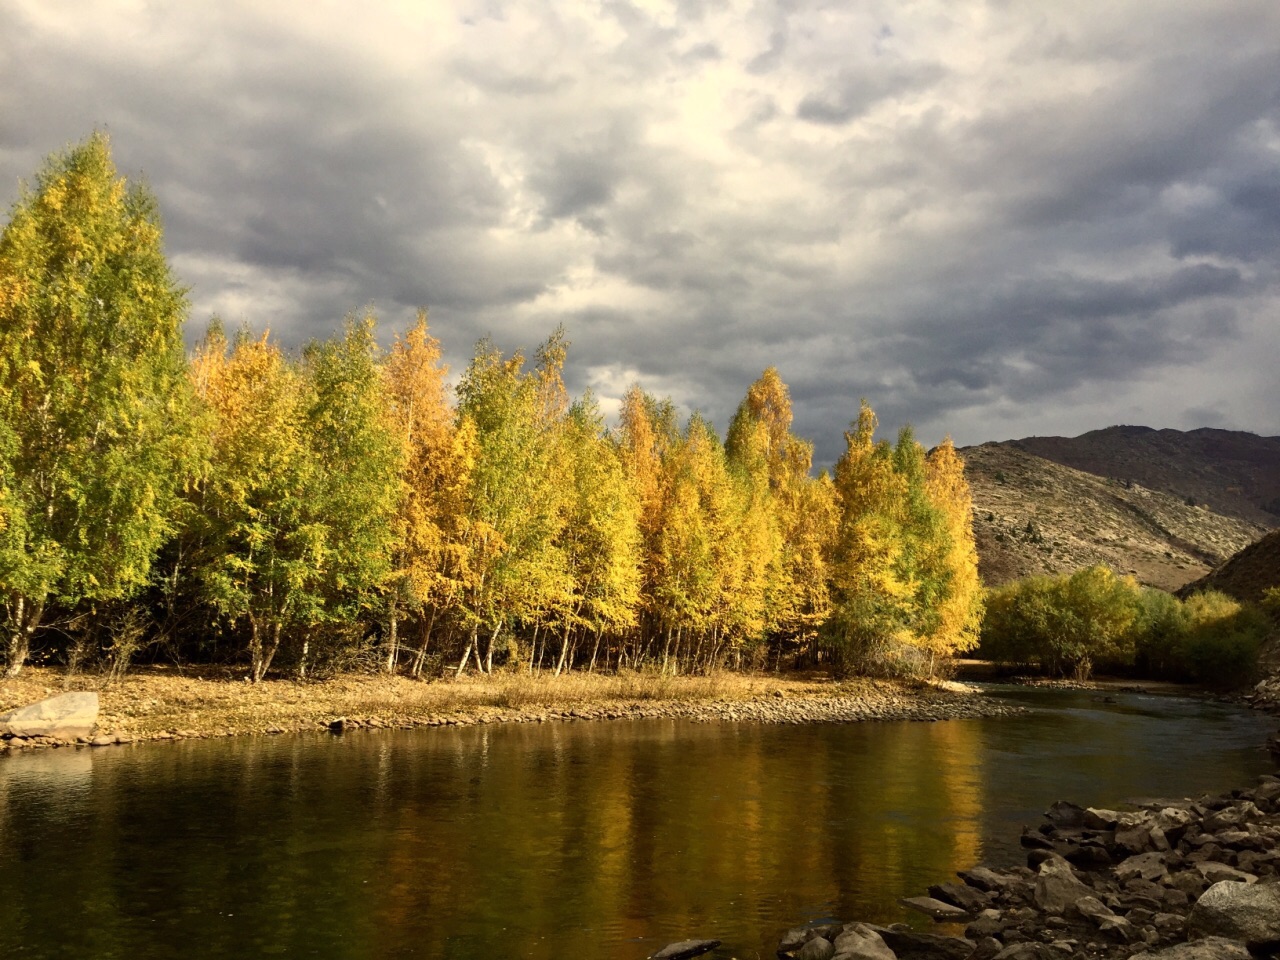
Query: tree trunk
x=591, y=668
x=533, y=646
x=564, y=650
x=421, y=656
x=493, y=639
x=393, y=637
x=466, y=654
x=260, y=655
x=26, y=618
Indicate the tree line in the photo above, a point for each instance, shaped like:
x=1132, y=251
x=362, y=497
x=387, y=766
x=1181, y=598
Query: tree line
x=343, y=506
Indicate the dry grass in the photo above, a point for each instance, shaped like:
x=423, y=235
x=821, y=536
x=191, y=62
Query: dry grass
x=154, y=700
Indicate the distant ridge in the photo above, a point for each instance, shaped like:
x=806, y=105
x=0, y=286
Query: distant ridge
x=1234, y=473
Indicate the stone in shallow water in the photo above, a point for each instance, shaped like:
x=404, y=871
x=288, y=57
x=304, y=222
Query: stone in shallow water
x=67, y=716
x=685, y=948
x=934, y=909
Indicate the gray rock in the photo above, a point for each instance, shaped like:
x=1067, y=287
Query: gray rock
x=797, y=937
x=685, y=948
x=934, y=909
x=1066, y=815
x=1118, y=928
x=986, y=924
x=1135, y=838
x=987, y=949
x=1148, y=866
x=1218, y=872
x=1057, y=886
x=910, y=945
x=985, y=879
x=67, y=716
x=819, y=948
x=1239, y=911
x=1229, y=817
x=960, y=895
x=1096, y=819
x=859, y=942
x=1210, y=948
x=1028, y=950
x=1091, y=908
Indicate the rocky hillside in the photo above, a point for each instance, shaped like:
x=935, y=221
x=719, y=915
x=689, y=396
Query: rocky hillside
x=1247, y=574
x=1035, y=516
x=1233, y=473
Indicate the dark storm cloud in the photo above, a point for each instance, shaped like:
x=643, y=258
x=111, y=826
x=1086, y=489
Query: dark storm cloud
x=985, y=220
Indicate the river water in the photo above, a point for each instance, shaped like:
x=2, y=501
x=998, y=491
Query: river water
x=602, y=839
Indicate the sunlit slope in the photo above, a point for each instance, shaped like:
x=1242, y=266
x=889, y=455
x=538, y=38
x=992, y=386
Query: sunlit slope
x=1033, y=516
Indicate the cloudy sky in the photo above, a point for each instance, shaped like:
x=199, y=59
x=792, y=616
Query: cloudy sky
x=996, y=219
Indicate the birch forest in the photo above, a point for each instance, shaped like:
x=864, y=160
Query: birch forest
x=344, y=507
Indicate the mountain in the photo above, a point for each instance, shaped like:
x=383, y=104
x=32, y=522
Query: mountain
x=1033, y=515
x=1235, y=474
x=1245, y=575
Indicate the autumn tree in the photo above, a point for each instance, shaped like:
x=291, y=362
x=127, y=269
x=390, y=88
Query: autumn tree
x=93, y=396
x=871, y=594
x=356, y=490
x=958, y=620
x=261, y=547
x=511, y=514
x=599, y=537
x=427, y=558
x=799, y=508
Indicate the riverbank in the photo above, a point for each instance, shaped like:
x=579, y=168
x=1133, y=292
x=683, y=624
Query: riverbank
x=1182, y=880
x=166, y=704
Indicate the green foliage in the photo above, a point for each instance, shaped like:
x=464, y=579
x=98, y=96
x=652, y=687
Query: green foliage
x=1093, y=618
x=1220, y=646
x=93, y=397
x=1066, y=623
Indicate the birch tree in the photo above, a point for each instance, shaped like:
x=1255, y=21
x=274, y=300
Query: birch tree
x=93, y=396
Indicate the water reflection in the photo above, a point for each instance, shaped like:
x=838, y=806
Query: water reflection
x=586, y=840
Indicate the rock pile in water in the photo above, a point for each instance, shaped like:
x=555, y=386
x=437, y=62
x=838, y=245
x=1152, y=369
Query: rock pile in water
x=1174, y=880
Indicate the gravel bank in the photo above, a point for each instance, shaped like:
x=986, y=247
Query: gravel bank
x=158, y=707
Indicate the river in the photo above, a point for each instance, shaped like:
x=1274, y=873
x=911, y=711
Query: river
x=579, y=840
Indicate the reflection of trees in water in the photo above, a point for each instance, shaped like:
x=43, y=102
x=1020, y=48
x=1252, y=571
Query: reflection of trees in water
x=539, y=841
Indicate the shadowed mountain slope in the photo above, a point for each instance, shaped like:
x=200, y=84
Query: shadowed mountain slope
x=1246, y=574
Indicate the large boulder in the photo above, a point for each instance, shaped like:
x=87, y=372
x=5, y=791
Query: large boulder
x=67, y=717
x=1057, y=886
x=1210, y=948
x=1239, y=911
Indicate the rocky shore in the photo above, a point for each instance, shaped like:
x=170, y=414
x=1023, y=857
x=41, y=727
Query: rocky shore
x=145, y=715
x=1176, y=880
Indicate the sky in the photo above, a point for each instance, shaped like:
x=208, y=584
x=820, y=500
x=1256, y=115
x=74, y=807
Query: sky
x=991, y=219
